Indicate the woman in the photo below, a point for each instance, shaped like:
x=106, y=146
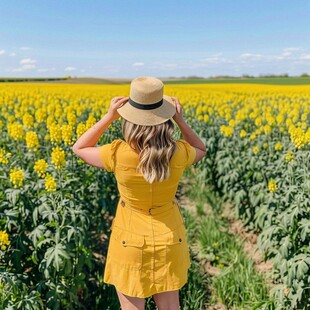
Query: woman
x=148, y=253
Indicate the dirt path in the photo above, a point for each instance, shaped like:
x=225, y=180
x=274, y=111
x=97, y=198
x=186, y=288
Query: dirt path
x=236, y=228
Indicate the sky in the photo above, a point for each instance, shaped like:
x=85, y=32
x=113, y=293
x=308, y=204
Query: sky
x=129, y=38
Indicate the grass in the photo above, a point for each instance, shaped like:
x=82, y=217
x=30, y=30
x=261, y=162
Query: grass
x=271, y=81
x=238, y=285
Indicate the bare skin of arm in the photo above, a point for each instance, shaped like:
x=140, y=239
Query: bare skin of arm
x=85, y=147
x=188, y=133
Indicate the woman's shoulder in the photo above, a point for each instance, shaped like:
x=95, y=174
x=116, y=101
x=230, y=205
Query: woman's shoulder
x=181, y=143
x=185, y=153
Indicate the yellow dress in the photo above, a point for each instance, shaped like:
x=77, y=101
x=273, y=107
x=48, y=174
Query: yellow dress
x=148, y=250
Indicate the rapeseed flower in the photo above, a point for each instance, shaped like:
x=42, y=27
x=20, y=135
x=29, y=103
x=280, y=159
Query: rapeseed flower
x=55, y=133
x=243, y=133
x=227, y=131
x=16, y=177
x=81, y=128
x=255, y=149
x=28, y=120
x=40, y=167
x=278, y=146
x=4, y=157
x=289, y=156
x=50, y=183
x=15, y=131
x=58, y=157
x=4, y=240
x=67, y=134
x=272, y=186
x=32, y=140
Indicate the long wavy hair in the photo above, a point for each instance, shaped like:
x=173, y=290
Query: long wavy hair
x=155, y=147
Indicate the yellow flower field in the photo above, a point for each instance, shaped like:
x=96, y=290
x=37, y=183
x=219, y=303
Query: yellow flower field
x=51, y=203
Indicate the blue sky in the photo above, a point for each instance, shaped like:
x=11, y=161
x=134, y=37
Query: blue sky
x=128, y=38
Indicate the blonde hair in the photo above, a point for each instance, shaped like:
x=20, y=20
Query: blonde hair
x=155, y=147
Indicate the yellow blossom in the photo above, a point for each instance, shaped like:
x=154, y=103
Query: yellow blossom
x=40, y=167
x=278, y=146
x=267, y=129
x=227, y=131
x=91, y=121
x=58, y=157
x=28, y=120
x=4, y=240
x=67, y=134
x=255, y=149
x=81, y=128
x=50, y=183
x=272, y=185
x=298, y=137
x=289, y=156
x=40, y=115
x=4, y=157
x=15, y=131
x=243, y=133
x=16, y=177
x=232, y=123
x=252, y=136
x=32, y=140
x=55, y=133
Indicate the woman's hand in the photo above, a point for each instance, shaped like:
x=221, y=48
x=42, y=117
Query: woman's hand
x=116, y=103
x=178, y=116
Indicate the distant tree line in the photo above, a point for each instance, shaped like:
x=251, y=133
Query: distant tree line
x=9, y=79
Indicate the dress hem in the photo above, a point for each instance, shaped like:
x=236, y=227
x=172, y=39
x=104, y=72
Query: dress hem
x=151, y=294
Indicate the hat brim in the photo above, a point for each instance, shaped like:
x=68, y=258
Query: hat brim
x=148, y=117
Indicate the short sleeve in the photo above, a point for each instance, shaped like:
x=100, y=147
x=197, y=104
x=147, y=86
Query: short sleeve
x=189, y=152
x=107, y=154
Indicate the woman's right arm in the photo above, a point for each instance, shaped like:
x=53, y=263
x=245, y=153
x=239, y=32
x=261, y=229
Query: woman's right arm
x=188, y=133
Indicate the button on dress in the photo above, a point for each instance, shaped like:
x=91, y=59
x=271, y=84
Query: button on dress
x=148, y=250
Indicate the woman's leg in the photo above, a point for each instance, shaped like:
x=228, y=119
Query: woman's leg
x=167, y=300
x=130, y=303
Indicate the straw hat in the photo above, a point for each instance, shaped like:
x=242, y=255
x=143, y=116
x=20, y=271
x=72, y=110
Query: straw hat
x=147, y=104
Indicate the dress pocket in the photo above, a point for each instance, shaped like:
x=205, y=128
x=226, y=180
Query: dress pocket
x=125, y=248
x=177, y=249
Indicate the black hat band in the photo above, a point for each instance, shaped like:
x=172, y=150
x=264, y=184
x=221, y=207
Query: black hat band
x=146, y=106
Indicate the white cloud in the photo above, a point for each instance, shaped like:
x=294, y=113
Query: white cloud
x=292, y=49
x=28, y=66
x=70, y=68
x=27, y=61
x=289, y=53
x=161, y=65
x=25, y=48
x=304, y=56
x=138, y=64
x=13, y=54
x=2, y=52
x=250, y=56
x=215, y=59
x=22, y=68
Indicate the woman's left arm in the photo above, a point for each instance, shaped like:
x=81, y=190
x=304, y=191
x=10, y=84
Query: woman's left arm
x=85, y=147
